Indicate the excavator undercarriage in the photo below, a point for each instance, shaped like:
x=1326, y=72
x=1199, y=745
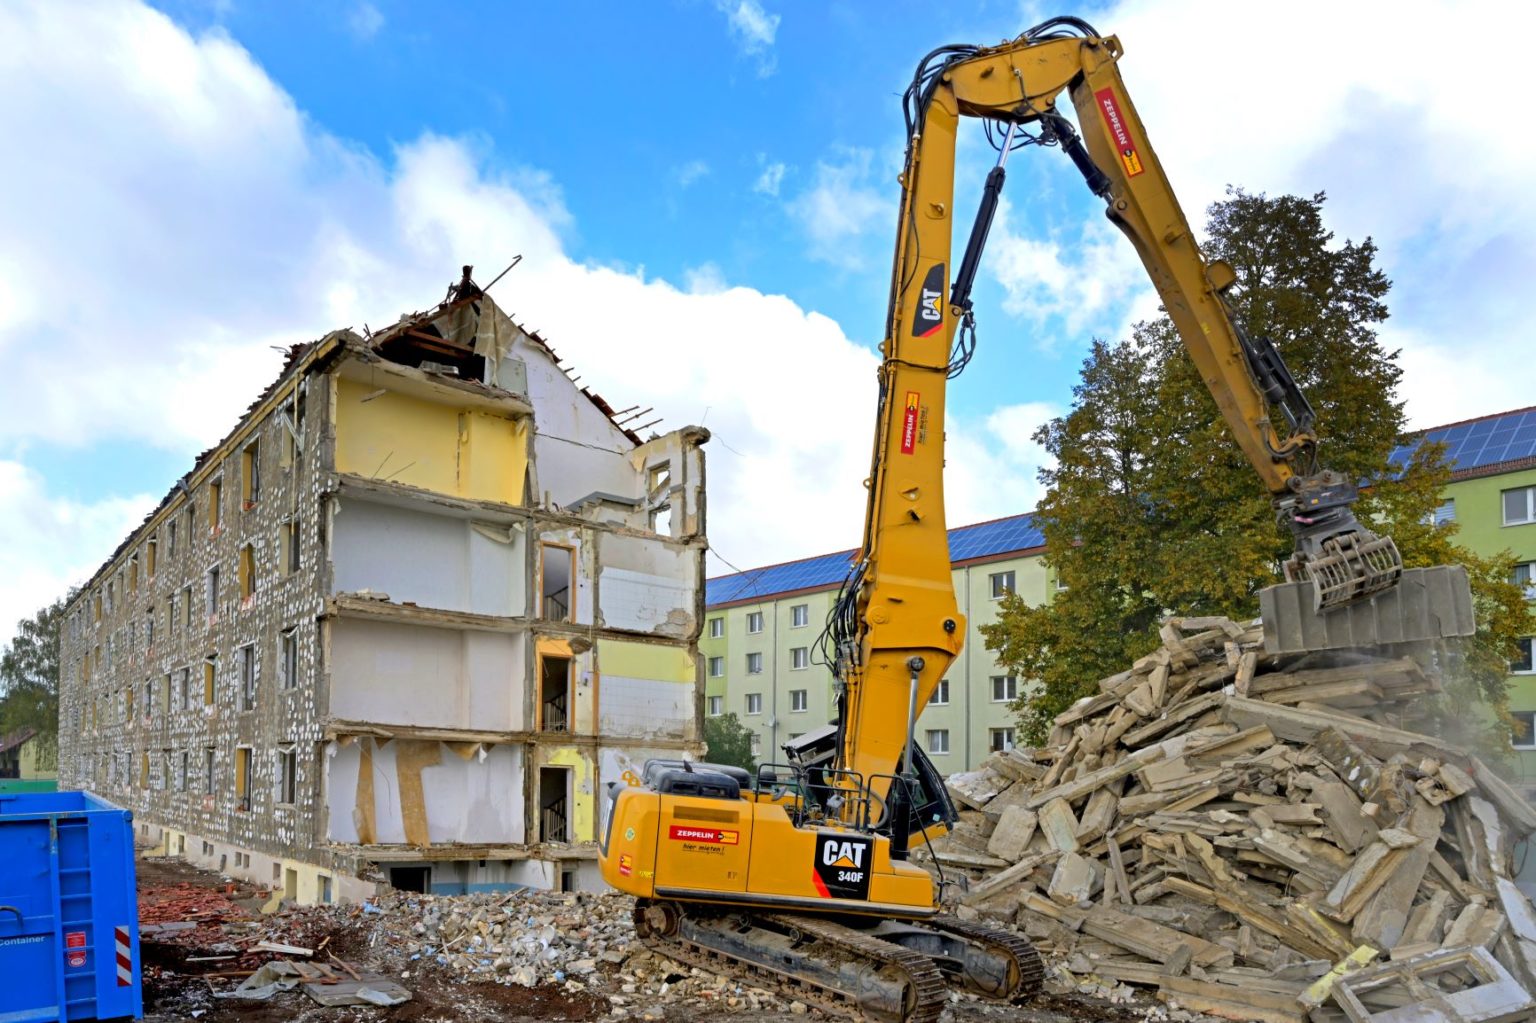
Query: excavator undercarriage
x=886, y=970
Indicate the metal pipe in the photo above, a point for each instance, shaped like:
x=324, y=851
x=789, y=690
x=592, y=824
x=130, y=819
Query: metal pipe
x=915, y=665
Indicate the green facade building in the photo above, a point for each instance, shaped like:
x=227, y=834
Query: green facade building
x=759, y=643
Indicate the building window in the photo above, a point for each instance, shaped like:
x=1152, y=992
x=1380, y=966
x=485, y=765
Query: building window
x=757, y=743
x=754, y=664
x=247, y=573
x=1522, y=665
x=172, y=610
x=557, y=568
x=754, y=621
x=1002, y=739
x=800, y=658
x=287, y=774
x=716, y=706
x=1519, y=506
x=754, y=703
x=1444, y=512
x=208, y=770
x=184, y=689
x=166, y=764
x=169, y=690
x=554, y=693
x=799, y=616
x=1524, y=576
x=1002, y=584
x=211, y=593
x=250, y=474
x=151, y=556
x=716, y=667
x=149, y=629
x=716, y=627
x=243, y=778
x=210, y=677
x=290, y=546
x=938, y=741
x=799, y=700
x=1005, y=688
x=1059, y=582
x=144, y=770
x=940, y=697
x=1524, y=734
x=215, y=499
x=186, y=606
x=289, y=654
x=170, y=539
x=183, y=771
x=248, y=677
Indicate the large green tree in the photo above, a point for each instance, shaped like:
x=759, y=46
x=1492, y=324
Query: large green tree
x=29, y=675
x=1151, y=509
x=729, y=741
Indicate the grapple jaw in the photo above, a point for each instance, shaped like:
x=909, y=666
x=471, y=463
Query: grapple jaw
x=1346, y=567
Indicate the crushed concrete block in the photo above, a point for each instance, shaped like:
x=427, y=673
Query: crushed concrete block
x=1426, y=604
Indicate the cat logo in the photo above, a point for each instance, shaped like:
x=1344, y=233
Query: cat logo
x=842, y=865
x=930, y=304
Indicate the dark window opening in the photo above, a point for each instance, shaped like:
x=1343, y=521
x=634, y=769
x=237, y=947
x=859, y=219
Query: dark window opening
x=411, y=879
x=555, y=694
x=555, y=591
x=554, y=803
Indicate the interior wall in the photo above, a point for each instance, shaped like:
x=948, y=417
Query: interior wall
x=646, y=585
x=646, y=690
x=395, y=791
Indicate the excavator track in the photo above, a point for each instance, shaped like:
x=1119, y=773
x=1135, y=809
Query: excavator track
x=1031, y=968
x=859, y=973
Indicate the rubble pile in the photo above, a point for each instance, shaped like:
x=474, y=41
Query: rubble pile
x=1256, y=837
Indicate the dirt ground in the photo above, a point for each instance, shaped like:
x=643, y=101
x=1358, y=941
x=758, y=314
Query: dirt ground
x=217, y=922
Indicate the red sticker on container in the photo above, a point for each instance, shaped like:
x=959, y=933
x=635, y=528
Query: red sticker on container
x=74, y=943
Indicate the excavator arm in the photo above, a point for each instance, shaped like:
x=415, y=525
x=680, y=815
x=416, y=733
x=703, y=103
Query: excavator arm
x=896, y=627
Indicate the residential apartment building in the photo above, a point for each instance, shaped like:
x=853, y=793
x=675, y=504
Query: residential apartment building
x=403, y=623
x=761, y=625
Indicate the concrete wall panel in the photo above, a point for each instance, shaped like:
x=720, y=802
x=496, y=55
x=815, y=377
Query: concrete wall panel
x=394, y=674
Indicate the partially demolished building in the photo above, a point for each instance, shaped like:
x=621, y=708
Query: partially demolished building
x=403, y=623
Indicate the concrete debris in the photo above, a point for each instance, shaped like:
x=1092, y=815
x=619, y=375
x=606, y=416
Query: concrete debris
x=1251, y=835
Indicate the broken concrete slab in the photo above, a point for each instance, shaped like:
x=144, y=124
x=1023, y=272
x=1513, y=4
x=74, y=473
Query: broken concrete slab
x=1426, y=604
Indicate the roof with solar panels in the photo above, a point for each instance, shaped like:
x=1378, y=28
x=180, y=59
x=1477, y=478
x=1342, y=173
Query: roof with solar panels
x=1503, y=442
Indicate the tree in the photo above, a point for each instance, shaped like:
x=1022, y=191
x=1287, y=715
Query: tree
x=729, y=742
x=1151, y=509
x=29, y=676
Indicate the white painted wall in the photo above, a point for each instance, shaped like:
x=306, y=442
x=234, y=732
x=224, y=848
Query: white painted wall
x=395, y=674
x=479, y=800
x=644, y=707
x=646, y=586
x=432, y=560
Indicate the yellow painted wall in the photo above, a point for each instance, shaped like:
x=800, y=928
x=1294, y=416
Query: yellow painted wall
x=402, y=439
x=37, y=762
x=645, y=660
x=583, y=801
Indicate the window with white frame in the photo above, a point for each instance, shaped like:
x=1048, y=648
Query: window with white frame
x=940, y=697
x=754, y=703
x=1444, y=512
x=717, y=667
x=1519, y=506
x=799, y=699
x=1005, y=688
x=1524, y=576
x=1002, y=583
x=716, y=627
x=1524, y=733
x=1521, y=665
x=1002, y=739
x=287, y=774
x=754, y=621
x=716, y=706
x=938, y=740
x=800, y=658
x=754, y=664
x=248, y=677
x=757, y=743
x=799, y=616
x=288, y=654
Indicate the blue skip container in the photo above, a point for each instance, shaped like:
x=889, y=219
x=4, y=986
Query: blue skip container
x=69, y=914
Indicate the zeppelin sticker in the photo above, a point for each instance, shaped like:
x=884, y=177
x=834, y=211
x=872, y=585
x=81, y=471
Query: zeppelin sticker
x=909, y=422
x=1124, y=145
x=709, y=836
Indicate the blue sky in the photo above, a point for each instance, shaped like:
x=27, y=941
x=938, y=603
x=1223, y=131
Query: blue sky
x=703, y=191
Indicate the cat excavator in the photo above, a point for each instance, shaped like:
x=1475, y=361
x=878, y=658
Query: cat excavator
x=798, y=877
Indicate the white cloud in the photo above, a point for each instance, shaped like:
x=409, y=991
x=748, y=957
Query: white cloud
x=1437, y=178
x=840, y=207
x=767, y=182
x=754, y=30
x=53, y=542
x=690, y=172
x=365, y=20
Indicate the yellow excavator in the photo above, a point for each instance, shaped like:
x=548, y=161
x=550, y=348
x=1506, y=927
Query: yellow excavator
x=798, y=877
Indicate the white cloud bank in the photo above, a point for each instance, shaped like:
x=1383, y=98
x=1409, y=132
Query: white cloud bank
x=754, y=30
x=188, y=217
x=1419, y=143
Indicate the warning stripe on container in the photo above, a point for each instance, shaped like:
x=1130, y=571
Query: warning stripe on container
x=124, y=958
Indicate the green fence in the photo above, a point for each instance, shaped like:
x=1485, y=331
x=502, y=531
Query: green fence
x=11, y=785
